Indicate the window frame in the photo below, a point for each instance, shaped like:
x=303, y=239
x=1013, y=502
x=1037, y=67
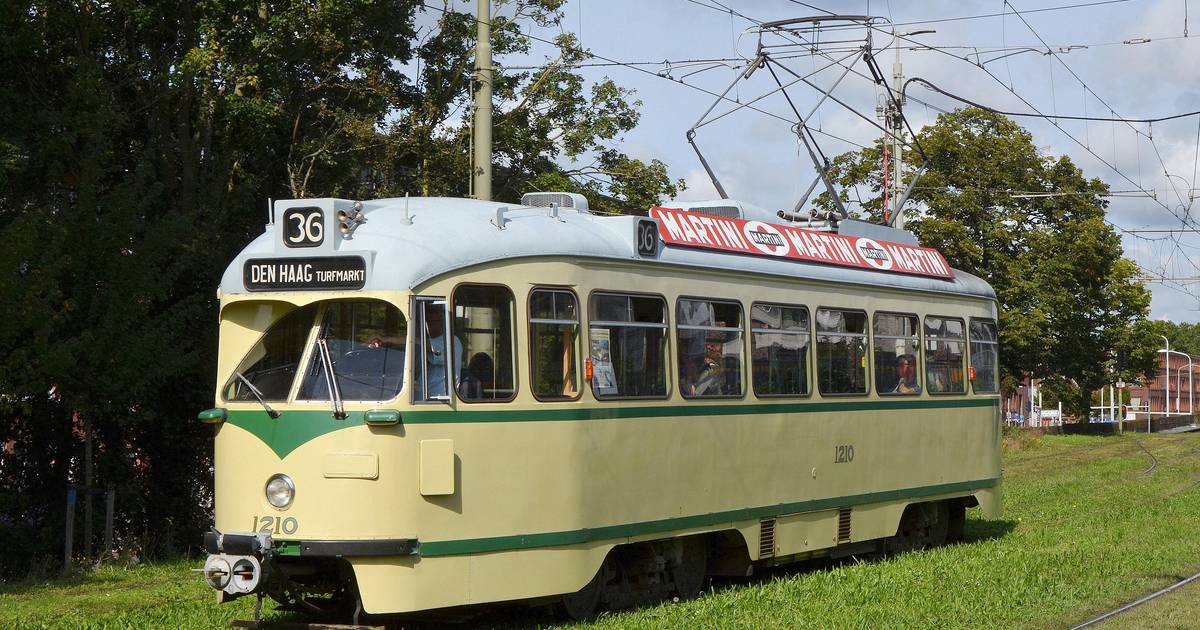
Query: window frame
x=740, y=328
x=965, y=362
x=808, y=362
x=667, y=352
x=971, y=353
x=579, y=358
x=311, y=349
x=417, y=342
x=868, y=369
x=920, y=364
x=451, y=328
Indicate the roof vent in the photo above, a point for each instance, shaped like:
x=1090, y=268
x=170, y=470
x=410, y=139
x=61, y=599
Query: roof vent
x=547, y=199
x=730, y=209
x=729, y=212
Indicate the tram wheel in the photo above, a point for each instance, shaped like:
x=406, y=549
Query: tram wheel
x=922, y=526
x=957, y=523
x=582, y=604
x=689, y=573
x=939, y=529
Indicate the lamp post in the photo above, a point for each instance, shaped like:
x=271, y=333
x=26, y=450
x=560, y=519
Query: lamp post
x=1191, y=386
x=1179, y=387
x=1166, y=381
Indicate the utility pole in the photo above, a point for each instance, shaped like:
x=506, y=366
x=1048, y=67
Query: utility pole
x=481, y=173
x=896, y=124
x=1031, y=400
x=89, y=479
x=893, y=116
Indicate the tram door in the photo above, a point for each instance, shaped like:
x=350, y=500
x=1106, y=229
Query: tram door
x=435, y=357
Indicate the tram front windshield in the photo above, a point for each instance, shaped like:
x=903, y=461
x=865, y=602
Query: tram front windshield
x=364, y=341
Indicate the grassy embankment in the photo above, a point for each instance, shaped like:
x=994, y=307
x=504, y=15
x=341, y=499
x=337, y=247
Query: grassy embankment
x=1085, y=530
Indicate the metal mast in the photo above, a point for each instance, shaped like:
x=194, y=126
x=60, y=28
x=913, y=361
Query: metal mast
x=896, y=123
x=481, y=173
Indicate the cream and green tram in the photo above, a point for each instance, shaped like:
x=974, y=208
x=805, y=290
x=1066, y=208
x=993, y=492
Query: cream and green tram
x=429, y=403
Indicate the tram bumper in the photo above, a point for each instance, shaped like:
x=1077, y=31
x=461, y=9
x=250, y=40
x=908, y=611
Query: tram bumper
x=238, y=562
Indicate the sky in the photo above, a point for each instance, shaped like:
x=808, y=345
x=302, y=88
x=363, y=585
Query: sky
x=1100, y=66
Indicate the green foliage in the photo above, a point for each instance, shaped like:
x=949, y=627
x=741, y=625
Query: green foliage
x=542, y=118
x=1068, y=299
x=138, y=144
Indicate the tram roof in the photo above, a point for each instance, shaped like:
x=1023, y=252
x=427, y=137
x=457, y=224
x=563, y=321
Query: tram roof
x=442, y=235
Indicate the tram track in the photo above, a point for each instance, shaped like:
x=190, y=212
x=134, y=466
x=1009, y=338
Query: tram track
x=1153, y=459
x=1168, y=589
x=1131, y=605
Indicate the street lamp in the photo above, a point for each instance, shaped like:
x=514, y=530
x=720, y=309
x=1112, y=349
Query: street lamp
x=1166, y=382
x=1191, y=386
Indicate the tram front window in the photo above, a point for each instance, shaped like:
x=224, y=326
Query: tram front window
x=270, y=366
x=366, y=342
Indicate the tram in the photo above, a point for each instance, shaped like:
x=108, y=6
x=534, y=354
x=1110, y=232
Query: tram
x=432, y=403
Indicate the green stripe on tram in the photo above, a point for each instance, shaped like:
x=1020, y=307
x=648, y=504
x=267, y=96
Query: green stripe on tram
x=610, y=532
x=294, y=428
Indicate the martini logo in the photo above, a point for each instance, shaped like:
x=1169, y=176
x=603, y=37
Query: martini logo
x=873, y=253
x=765, y=238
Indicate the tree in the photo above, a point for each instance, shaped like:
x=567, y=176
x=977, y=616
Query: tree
x=1068, y=299
x=138, y=144
x=551, y=131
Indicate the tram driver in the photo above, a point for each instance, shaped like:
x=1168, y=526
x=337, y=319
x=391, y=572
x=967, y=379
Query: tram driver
x=434, y=351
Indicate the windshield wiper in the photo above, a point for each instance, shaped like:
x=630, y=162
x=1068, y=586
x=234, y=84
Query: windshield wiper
x=257, y=395
x=335, y=393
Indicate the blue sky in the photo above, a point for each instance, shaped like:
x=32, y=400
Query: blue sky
x=759, y=161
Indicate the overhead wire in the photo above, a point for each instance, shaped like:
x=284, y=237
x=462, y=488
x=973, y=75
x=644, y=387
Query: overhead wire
x=653, y=74
x=1115, y=226
x=1184, y=220
x=1053, y=122
x=992, y=15
x=1102, y=101
x=963, y=99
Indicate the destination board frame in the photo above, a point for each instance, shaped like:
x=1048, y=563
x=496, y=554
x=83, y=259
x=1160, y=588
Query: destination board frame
x=315, y=273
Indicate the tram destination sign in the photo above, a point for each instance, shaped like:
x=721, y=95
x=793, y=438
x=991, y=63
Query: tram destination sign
x=756, y=238
x=306, y=274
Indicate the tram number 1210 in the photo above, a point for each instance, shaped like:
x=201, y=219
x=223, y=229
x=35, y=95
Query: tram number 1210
x=275, y=525
x=843, y=454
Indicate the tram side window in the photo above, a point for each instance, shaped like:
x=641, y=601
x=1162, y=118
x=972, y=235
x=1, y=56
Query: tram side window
x=270, y=366
x=431, y=354
x=779, y=340
x=366, y=343
x=841, y=351
x=897, y=343
x=944, y=349
x=985, y=356
x=553, y=339
x=710, y=348
x=628, y=345
x=483, y=323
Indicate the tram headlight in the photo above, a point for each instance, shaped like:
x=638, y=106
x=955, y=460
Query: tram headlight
x=280, y=490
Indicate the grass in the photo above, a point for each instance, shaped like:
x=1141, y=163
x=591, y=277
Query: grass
x=1085, y=530
x=1177, y=609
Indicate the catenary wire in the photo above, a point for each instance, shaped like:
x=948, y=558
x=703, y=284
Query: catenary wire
x=1183, y=219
